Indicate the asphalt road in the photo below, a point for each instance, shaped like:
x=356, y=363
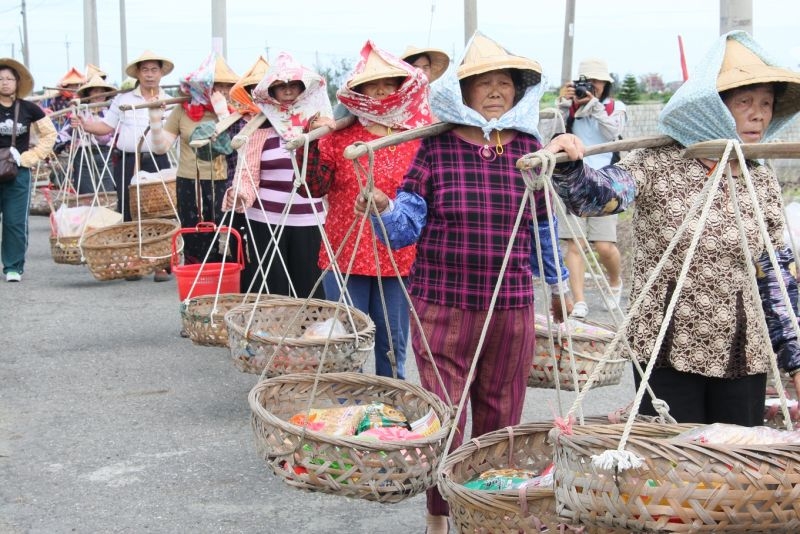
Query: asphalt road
x=111, y=422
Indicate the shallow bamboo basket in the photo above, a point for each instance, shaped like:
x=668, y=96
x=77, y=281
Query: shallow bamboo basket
x=203, y=317
x=587, y=349
x=154, y=200
x=273, y=343
x=383, y=471
x=121, y=250
x=66, y=250
x=682, y=486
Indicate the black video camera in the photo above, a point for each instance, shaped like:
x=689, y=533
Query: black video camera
x=583, y=87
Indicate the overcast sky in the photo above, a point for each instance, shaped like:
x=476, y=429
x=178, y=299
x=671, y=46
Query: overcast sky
x=635, y=36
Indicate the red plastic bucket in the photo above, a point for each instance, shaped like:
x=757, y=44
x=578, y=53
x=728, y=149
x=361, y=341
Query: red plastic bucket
x=198, y=279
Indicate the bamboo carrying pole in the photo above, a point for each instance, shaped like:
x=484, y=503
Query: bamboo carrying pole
x=106, y=94
x=529, y=161
x=156, y=103
x=316, y=133
x=714, y=150
x=70, y=109
x=251, y=126
x=356, y=151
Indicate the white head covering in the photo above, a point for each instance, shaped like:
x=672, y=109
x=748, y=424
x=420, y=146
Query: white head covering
x=696, y=112
x=448, y=102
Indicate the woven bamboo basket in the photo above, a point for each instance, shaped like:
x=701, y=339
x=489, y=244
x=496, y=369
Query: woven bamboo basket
x=120, y=251
x=276, y=331
x=383, y=471
x=66, y=250
x=682, y=486
x=589, y=341
x=203, y=317
x=532, y=509
x=40, y=204
x=155, y=199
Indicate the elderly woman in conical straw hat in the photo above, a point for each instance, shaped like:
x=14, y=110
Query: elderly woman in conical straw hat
x=291, y=97
x=458, y=202
x=712, y=365
x=386, y=95
x=92, y=150
x=201, y=179
x=432, y=61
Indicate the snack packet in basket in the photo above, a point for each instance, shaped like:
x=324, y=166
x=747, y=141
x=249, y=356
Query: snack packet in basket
x=506, y=479
x=725, y=434
x=426, y=425
x=338, y=421
x=380, y=415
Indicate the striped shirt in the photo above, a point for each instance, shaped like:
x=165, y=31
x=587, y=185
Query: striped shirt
x=276, y=191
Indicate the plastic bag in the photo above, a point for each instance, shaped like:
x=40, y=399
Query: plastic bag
x=725, y=434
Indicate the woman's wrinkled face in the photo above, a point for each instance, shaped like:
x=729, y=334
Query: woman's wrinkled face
x=380, y=88
x=286, y=93
x=491, y=94
x=752, y=108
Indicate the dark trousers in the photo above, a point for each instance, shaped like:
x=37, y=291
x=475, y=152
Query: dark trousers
x=299, y=248
x=89, y=170
x=209, y=209
x=124, y=163
x=694, y=398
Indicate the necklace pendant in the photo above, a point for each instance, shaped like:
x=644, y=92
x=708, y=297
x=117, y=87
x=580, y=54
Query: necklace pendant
x=486, y=153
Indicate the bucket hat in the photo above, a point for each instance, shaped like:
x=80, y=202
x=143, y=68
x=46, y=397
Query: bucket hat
x=375, y=68
x=132, y=69
x=595, y=69
x=485, y=55
x=25, y=83
x=742, y=67
x=439, y=59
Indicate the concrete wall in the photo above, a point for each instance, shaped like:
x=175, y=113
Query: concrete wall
x=643, y=121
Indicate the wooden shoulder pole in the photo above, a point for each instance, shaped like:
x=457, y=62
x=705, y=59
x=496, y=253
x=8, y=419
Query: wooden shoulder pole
x=316, y=133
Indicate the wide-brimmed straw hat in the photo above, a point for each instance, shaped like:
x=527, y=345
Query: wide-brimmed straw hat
x=94, y=70
x=223, y=73
x=742, y=67
x=25, y=83
x=132, y=69
x=95, y=82
x=439, y=59
x=376, y=68
x=595, y=69
x=485, y=55
x=72, y=77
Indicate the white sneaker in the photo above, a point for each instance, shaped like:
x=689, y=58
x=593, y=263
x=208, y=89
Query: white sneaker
x=616, y=296
x=579, y=310
x=13, y=276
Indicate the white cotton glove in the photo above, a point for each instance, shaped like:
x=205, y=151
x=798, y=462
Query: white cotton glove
x=156, y=115
x=220, y=105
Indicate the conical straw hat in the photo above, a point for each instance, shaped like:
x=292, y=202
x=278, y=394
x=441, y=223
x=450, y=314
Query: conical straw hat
x=94, y=70
x=255, y=73
x=484, y=55
x=132, y=69
x=96, y=81
x=742, y=67
x=25, y=83
x=376, y=68
x=72, y=77
x=223, y=73
x=439, y=59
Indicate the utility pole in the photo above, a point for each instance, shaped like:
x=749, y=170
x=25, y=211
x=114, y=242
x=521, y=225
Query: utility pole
x=569, y=37
x=123, y=39
x=91, y=49
x=470, y=19
x=735, y=15
x=219, y=24
x=66, y=46
x=26, y=59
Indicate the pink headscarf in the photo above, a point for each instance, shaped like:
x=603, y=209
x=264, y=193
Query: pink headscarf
x=290, y=121
x=404, y=109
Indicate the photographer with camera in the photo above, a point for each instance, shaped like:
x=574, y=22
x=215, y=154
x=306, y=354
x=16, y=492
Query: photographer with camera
x=591, y=114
